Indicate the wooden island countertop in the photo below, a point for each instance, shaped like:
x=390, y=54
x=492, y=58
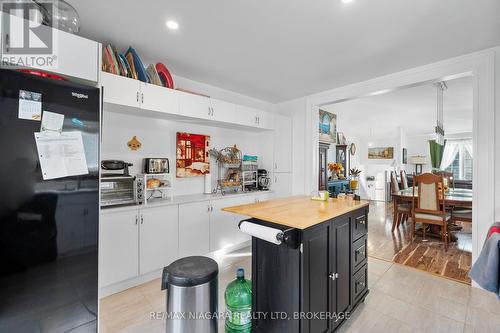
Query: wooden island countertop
x=297, y=211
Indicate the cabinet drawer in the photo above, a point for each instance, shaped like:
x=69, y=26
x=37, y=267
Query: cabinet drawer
x=360, y=284
x=359, y=254
x=359, y=224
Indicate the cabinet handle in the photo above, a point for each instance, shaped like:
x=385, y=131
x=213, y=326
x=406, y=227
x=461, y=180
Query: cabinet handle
x=137, y=97
x=208, y=208
x=258, y=120
x=142, y=219
x=136, y=219
x=362, y=221
x=7, y=43
x=213, y=112
x=275, y=165
x=275, y=179
x=142, y=98
x=209, y=111
x=333, y=276
x=211, y=208
x=360, y=252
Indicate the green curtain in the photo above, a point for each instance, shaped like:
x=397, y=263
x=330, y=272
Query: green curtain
x=436, y=153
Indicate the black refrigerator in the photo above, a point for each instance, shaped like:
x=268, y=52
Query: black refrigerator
x=48, y=228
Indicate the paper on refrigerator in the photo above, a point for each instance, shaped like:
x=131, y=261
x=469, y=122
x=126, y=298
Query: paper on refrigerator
x=61, y=154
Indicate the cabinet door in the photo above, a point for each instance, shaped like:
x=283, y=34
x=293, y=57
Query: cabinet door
x=160, y=99
x=194, y=229
x=194, y=106
x=159, y=237
x=120, y=90
x=247, y=116
x=118, y=246
x=282, y=184
x=265, y=120
x=224, y=111
x=282, y=143
x=340, y=256
x=224, y=231
x=317, y=281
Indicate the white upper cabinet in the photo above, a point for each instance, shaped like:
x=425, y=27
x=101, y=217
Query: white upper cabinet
x=265, y=120
x=120, y=90
x=282, y=143
x=247, y=116
x=194, y=106
x=282, y=184
x=223, y=111
x=160, y=99
x=159, y=237
x=76, y=57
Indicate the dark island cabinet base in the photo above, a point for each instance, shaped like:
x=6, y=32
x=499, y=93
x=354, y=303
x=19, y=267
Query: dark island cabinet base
x=313, y=288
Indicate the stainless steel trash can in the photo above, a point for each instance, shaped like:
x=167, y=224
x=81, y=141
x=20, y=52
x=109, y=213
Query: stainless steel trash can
x=192, y=298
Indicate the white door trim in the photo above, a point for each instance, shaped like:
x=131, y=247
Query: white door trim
x=481, y=65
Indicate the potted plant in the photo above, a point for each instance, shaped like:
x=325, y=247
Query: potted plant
x=335, y=169
x=354, y=172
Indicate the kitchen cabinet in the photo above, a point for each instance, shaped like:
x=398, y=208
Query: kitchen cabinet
x=194, y=228
x=282, y=184
x=159, y=237
x=118, y=246
x=76, y=56
x=282, y=143
x=224, y=231
x=248, y=116
x=224, y=111
x=160, y=99
x=194, y=106
x=121, y=90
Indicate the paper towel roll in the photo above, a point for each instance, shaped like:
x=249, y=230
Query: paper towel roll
x=265, y=233
x=208, y=183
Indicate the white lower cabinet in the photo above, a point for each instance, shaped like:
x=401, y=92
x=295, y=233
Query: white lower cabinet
x=118, y=246
x=194, y=229
x=282, y=184
x=224, y=231
x=159, y=238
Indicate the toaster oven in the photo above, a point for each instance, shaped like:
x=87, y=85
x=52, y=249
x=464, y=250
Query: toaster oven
x=121, y=190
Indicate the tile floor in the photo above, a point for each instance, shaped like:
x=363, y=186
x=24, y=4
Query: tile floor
x=401, y=299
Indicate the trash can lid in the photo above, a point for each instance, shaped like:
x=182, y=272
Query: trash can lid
x=190, y=271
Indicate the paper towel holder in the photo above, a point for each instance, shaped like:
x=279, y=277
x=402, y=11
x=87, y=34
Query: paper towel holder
x=290, y=237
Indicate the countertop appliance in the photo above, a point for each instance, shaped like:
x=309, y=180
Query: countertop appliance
x=156, y=165
x=121, y=190
x=48, y=228
x=115, y=168
x=263, y=180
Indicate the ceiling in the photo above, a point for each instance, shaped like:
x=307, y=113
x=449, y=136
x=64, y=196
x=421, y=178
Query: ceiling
x=413, y=109
x=282, y=49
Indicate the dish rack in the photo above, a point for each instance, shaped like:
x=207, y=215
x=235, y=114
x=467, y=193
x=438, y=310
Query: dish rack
x=249, y=175
x=157, y=187
x=229, y=162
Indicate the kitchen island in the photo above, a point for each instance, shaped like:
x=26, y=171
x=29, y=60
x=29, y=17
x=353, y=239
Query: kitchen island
x=317, y=276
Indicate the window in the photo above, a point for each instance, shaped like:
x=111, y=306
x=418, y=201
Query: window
x=461, y=167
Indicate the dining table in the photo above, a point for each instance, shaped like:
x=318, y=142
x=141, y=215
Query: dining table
x=453, y=198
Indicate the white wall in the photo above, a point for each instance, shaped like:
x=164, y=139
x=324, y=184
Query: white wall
x=158, y=138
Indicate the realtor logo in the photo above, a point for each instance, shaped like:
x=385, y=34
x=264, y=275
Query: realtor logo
x=27, y=42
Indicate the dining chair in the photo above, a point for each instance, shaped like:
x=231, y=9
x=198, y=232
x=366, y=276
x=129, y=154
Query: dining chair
x=404, y=180
x=429, y=205
x=461, y=215
x=448, y=176
x=402, y=211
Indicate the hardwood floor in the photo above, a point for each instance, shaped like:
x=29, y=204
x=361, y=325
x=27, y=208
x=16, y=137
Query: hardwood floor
x=426, y=255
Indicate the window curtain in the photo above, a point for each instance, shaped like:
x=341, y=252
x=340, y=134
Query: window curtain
x=436, y=153
x=450, y=152
x=468, y=147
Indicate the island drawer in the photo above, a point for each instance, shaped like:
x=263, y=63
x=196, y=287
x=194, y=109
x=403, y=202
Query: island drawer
x=359, y=224
x=359, y=253
x=360, y=284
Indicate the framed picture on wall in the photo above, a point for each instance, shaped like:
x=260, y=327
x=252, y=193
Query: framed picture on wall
x=192, y=157
x=381, y=153
x=327, y=127
x=405, y=156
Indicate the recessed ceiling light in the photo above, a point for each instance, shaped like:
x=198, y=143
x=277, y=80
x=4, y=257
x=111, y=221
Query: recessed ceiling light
x=172, y=25
x=347, y=1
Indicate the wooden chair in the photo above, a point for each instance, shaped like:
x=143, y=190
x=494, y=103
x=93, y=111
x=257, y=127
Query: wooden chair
x=429, y=205
x=448, y=176
x=401, y=211
x=404, y=180
x=461, y=215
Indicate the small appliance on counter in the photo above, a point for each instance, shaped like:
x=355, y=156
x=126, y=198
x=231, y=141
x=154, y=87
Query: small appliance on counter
x=156, y=165
x=263, y=180
x=118, y=187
